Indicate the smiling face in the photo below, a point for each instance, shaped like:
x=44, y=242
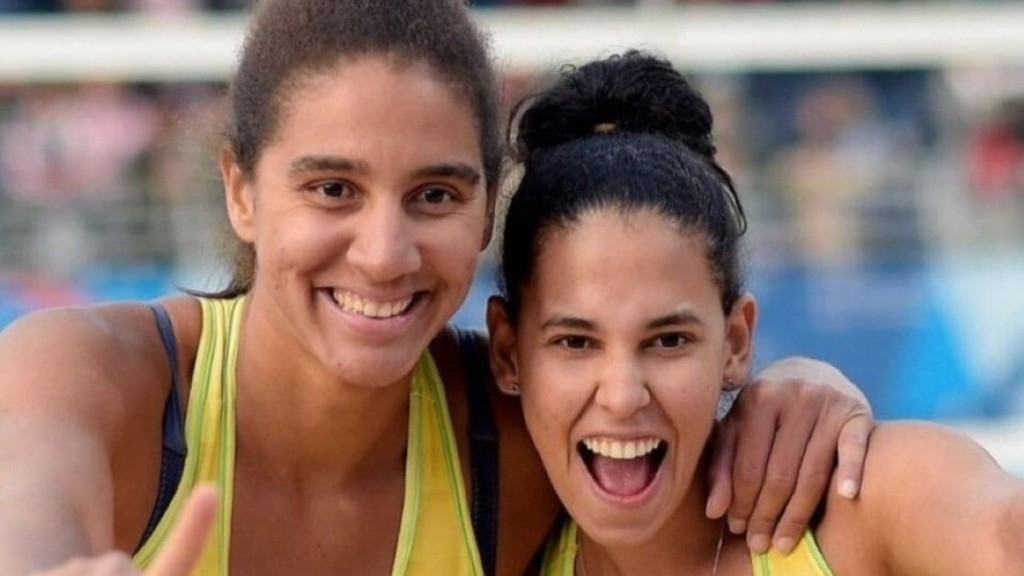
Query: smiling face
x=367, y=211
x=621, y=350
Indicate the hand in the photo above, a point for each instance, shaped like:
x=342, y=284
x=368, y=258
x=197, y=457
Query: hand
x=775, y=453
x=178, y=557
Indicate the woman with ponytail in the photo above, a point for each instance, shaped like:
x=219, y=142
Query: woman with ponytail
x=623, y=327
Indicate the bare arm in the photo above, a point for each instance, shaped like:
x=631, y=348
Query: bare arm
x=179, y=557
x=55, y=494
x=65, y=397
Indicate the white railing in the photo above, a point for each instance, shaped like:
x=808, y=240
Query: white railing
x=720, y=38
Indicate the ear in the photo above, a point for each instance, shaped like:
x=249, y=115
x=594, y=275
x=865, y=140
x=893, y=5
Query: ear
x=739, y=340
x=504, y=360
x=238, y=197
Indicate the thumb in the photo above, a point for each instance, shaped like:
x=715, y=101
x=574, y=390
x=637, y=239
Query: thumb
x=180, y=554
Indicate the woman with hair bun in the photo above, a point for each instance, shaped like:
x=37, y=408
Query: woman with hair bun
x=624, y=323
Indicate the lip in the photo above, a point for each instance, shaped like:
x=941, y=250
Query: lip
x=377, y=329
x=637, y=500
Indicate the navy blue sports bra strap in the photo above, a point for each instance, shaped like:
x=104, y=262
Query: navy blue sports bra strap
x=483, y=447
x=172, y=462
x=174, y=421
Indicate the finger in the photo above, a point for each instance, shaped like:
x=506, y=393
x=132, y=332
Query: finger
x=852, y=449
x=720, y=472
x=753, y=447
x=781, y=474
x=109, y=564
x=811, y=485
x=184, y=546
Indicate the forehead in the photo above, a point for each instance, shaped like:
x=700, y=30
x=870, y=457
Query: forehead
x=378, y=101
x=631, y=266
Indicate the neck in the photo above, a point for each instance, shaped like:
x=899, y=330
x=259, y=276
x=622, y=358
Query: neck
x=688, y=543
x=308, y=430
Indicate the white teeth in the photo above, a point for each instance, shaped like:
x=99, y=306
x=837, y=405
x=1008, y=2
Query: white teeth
x=619, y=450
x=355, y=304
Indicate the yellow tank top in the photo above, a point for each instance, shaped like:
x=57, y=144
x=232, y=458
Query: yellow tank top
x=436, y=534
x=805, y=560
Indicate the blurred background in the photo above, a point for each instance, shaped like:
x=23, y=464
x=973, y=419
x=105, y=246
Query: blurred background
x=878, y=146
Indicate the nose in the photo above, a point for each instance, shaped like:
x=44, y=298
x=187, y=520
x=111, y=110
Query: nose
x=622, y=390
x=384, y=247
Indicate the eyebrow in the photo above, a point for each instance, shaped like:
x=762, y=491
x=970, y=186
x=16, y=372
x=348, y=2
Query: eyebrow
x=562, y=321
x=457, y=170
x=674, y=319
x=327, y=163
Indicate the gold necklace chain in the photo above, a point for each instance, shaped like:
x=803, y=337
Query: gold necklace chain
x=714, y=567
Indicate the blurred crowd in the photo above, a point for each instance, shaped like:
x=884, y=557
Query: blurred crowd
x=180, y=5
x=104, y=174
x=835, y=168
x=42, y=6
x=51, y=6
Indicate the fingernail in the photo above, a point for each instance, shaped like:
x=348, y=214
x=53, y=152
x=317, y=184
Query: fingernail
x=785, y=545
x=848, y=489
x=711, y=510
x=737, y=526
x=759, y=543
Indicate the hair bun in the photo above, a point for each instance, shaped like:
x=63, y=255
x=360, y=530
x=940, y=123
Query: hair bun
x=632, y=92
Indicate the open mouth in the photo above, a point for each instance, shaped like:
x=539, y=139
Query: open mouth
x=375, y=310
x=623, y=468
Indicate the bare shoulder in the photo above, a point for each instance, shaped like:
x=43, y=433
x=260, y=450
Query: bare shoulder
x=68, y=344
x=920, y=457
x=925, y=483
x=82, y=393
x=77, y=360
x=911, y=460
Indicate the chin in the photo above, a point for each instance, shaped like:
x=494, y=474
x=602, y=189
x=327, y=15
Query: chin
x=373, y=371
x=620, y=531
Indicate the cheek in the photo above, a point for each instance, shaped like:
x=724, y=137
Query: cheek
x=553, y=396
x=690, y=397
x=454, y=254
x=549, y=424
x=292, y=245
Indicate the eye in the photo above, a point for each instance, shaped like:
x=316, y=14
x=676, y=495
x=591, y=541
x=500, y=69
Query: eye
x=670, y=341
x=436, y=195
x=574, y=342
x=437, y=200
x=333, y=189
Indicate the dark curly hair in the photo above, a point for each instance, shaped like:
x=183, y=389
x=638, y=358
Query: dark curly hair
x=628, y=132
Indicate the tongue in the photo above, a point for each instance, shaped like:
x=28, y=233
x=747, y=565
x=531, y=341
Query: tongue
x=622, y=477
